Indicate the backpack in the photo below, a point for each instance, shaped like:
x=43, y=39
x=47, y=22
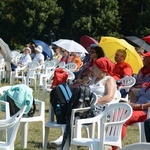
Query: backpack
x=60, y=77
x=59, y=99
x=64, y=99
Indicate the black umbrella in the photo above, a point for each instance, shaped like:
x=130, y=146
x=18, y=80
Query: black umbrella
x=137, y=42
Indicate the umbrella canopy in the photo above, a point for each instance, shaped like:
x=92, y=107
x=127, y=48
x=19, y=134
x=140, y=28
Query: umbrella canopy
x=47, y=52
x=137, y=42
x=5, y=51
x=70, y=45
x=111, y=44
x=86, y=41
x=147, y=39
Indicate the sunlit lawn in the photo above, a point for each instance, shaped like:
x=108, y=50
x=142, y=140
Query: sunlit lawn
x=35, y=134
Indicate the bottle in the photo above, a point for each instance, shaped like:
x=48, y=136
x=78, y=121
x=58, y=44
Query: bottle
x=58, y=113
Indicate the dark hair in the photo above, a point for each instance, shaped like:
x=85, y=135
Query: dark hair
x=99, y=51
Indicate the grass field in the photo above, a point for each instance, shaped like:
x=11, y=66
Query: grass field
x=35, y=134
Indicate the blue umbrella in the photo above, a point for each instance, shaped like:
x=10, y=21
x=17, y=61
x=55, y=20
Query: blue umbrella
x=47, y=52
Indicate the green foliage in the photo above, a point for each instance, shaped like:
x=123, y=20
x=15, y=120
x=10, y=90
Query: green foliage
x=21, y=21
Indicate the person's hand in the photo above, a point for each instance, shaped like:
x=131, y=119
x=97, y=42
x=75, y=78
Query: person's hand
x=135, y=106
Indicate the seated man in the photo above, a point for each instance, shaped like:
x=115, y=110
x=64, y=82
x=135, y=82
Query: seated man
x=143, y=76
x=121, y=68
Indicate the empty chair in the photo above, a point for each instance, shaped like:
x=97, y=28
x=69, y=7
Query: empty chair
x=111, y=121
x=125, y=84
x=11, y=126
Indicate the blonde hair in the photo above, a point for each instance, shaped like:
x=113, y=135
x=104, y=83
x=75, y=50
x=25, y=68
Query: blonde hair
x=124, y=53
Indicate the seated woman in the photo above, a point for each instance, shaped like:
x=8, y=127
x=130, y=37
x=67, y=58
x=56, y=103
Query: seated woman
x=76, y=59
x=57, y=52
x=96, y=52
x=65, y=57
x=103, y=84
x=140, y=108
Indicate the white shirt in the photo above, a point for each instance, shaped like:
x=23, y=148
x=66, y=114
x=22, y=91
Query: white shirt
x=25, y=59
x=38, y=57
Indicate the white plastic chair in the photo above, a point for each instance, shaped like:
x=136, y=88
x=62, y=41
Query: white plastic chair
x=71, y=66
x=61, y=65
x=51, y=123
x=15, y=56
x=18, y=74
x=39, y=117
x=126, y=83
x=111, y=122
x=11, y=126
x=47, y=82
x=77, y=110
x=137, y=146
x=2, y=69
x=31, y=73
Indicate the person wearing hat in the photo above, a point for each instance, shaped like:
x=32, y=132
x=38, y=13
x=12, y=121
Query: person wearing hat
x=26, y=58
x=102, y=83
x=39, y=57
x=142, y=77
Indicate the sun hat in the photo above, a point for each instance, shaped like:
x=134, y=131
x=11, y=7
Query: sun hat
x=27, y=48
x=39, y=48
x=105, y=65
x=146, y=54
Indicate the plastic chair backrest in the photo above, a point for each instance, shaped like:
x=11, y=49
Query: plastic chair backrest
x=11, y=125
x=71, y=66
x=111, y=122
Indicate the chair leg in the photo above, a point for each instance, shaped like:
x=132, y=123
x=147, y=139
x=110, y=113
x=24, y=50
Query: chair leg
x=43, y=133
x=46, y=137
x=24, y=134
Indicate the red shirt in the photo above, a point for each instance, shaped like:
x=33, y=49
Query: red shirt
x=122, y=69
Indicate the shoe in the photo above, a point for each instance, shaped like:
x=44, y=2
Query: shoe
x=57, y=143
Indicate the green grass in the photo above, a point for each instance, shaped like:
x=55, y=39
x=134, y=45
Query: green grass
x=35, y=134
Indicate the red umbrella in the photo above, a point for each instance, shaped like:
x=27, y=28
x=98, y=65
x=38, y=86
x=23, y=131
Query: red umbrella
x=147, y=39
x=86, y=41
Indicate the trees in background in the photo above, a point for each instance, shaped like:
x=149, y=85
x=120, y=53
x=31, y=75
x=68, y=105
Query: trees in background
x=23, y=21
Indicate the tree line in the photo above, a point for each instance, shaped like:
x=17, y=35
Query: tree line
x=21, y=21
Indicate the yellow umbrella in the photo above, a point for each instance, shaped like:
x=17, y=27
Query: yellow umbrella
x=111, y=44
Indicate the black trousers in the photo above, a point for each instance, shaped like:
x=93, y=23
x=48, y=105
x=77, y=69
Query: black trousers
x=147, y=129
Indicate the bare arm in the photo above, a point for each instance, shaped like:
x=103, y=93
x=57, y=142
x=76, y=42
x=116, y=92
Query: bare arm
x=111, y=88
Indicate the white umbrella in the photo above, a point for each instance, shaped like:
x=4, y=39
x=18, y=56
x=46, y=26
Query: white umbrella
x=5, y=51
x=70, y=45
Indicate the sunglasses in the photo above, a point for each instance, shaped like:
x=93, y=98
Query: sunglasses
x=92, y=52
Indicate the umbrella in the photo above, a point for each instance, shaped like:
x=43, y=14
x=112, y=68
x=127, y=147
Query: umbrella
x=111, y=44
x=86, y=41
x=147, y=39
x=5, y=51
x=70, y=45
x=137, y=42
x=47, y=52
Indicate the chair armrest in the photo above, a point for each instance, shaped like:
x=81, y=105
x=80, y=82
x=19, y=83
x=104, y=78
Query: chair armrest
x=7, y=110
